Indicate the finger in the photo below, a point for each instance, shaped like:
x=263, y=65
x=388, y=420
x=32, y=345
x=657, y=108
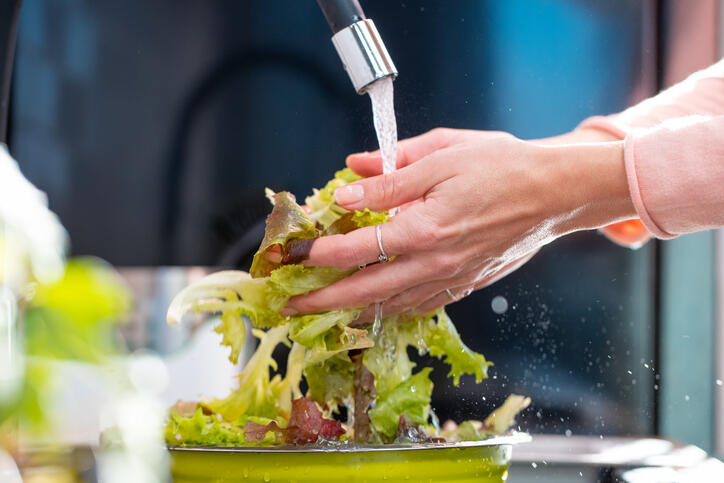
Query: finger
x=394, y=189
x=414, y=297
x=274, y=254
x=443, y=298
x=409, y=151
x=373, y=284
x=405, y=233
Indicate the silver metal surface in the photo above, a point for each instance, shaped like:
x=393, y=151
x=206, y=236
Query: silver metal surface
x=515, y=438
x=363, y=54
x=613, y=451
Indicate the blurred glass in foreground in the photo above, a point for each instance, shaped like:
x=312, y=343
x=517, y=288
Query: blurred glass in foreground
x=53, y=312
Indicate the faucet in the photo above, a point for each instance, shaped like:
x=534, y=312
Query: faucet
x=358, y=43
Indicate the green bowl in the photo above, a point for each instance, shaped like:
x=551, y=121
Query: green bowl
x=466, y=462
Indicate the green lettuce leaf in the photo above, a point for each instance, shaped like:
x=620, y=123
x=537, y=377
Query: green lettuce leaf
x=351, y=221
x=330, y=381
x=443, y=342
x=388, y=359
x=291, y=280
x=234, y=294
x=496, y=424
x=233, y=332
x=411, y=399
x=325, y=210
x=500, y=420
x=369, y=218
x=202, y=430
x=306, y=328
x=287, y=222
x=257, y=394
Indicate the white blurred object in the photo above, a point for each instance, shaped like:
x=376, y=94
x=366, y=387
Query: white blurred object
x=31, y=236
x=8, y=469
x=138, y=416
x=11, y=360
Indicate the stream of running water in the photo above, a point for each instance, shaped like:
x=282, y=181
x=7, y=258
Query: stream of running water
x=381, y=94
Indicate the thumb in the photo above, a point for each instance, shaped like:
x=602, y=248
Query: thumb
x=391, y=190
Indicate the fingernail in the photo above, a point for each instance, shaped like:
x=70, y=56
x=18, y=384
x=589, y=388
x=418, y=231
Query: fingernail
x=349, y=194
x=288, y=312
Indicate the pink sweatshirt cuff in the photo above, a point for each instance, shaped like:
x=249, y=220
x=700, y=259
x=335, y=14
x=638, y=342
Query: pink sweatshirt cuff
x=674, y=154
x=676, y=173
x=630, y=159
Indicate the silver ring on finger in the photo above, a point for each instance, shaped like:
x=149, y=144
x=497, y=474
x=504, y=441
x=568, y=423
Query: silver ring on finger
x=383, y=256
x=450, y=294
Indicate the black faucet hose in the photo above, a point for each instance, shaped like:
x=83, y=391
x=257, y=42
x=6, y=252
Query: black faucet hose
x=341, y=14
x=9, y=14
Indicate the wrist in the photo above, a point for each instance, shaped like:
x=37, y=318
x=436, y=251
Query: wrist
x=578, y=136
x=591, y=183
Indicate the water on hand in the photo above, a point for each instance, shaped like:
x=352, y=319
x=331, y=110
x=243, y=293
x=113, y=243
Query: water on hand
x=381, y=94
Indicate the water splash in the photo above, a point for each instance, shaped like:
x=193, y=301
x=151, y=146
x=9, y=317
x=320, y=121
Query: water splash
x=377, y=324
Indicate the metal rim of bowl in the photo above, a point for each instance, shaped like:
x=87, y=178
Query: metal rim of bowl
x=515, y=438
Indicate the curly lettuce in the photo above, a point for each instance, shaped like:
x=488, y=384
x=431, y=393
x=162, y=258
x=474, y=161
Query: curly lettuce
x=324, y=210
x=341, y=362
x=410, y=399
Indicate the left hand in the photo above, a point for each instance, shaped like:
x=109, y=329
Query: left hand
x=477, y=206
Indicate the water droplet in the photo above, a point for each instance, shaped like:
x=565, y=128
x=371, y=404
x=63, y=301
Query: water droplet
x=246, y=473
x=267, y=478
x=569, y=433
x=718, y=382
x=534, y=465
x=686, y=397
x=499, y=304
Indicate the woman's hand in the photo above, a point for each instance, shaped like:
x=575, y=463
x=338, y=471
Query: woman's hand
x=476, y=205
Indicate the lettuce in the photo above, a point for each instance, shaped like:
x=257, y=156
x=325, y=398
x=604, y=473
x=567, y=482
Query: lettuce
x=410, y=399
x=341, y=362
x=202, y=430
x=287, y=222
x=330, y=381
x=324, y=209
x=503, y=418
x=368, y=217
x=353, y=220
x=257, y=394
x=233, y=333
x=327, y=333
x=388, y=359
x=496, y=424
x=444, y=342
x=234, y=294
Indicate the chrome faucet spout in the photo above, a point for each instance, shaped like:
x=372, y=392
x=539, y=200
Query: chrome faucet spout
x=358, y=43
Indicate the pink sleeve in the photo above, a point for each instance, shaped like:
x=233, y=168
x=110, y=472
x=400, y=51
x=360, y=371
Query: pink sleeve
x=676, y=175
x=701, y=93
x=674, y=162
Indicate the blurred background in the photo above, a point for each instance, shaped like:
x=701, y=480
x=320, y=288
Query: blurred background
x=154, y=128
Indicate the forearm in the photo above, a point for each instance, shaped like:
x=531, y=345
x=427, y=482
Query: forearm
x=578, y=136
x=590, y=183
